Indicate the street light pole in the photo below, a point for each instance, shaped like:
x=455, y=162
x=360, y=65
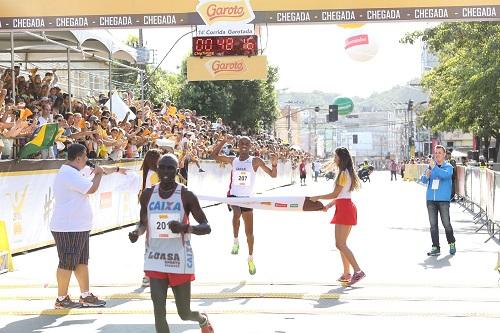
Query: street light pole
x=289, y=123
x=315, y=138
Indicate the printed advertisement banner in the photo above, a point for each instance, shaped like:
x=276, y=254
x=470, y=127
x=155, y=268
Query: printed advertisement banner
x=290, y=203
x=77, y=14
x=28, y=201
x=227, y=68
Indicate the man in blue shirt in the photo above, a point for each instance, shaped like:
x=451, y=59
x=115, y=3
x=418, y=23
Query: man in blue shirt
x=438, y=178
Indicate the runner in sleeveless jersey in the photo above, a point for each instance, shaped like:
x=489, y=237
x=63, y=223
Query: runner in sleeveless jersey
x=168, y=259
x=243, y=172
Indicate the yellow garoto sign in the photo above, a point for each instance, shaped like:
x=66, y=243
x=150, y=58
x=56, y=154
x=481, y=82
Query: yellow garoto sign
x=227, y=68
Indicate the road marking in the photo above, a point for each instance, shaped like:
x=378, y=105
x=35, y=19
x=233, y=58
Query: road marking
x=262, y=283
x=147, y=296
x=110, y=311
x=267, y=295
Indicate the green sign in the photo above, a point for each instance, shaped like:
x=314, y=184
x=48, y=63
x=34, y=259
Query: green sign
x=345, y=105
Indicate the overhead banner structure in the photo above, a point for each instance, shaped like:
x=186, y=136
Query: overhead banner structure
x=227, y=68
x=77, y=14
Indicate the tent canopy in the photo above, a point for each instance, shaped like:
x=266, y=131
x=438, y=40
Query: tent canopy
x=99, y=42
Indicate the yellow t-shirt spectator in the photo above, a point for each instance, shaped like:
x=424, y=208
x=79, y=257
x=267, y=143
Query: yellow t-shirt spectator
x=172, y=110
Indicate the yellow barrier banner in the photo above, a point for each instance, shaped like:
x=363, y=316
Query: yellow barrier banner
x=5, y=248
x=411, y=171
x=226, y=68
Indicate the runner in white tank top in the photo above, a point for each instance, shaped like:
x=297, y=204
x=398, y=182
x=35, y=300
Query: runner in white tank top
x=243, y=173
x=242, y=178
x=168, y=260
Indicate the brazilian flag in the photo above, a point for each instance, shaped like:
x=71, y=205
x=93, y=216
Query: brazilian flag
x=43, y=138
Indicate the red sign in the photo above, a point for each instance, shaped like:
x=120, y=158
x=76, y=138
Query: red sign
x=225, y=46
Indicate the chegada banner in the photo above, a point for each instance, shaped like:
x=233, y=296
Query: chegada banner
x=77, y=14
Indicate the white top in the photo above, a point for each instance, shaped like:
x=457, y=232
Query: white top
x=42, y=120
x=72, y=210
x=242, y=178
x=317, y=166
x=344, y=180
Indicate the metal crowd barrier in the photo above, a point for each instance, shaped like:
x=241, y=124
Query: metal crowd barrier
x=477, y=190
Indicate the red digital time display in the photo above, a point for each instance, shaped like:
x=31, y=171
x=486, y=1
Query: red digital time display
x=225, y=46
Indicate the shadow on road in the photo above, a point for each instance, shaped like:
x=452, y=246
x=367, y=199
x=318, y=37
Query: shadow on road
x=436, y=262
x=40, y=323
x=328, y=303
x=145, y=328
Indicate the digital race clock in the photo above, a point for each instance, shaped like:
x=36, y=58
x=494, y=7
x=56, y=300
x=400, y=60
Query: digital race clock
x=225, y=46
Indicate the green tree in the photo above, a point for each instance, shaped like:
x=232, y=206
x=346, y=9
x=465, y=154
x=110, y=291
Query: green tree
x=465, y=85
x=250, y=104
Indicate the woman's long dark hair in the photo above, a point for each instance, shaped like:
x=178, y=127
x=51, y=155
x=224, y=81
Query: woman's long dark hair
x=345, y=163
x=150, y=163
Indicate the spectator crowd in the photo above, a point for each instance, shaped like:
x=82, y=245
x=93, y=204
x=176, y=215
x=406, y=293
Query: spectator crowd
x=39, y=100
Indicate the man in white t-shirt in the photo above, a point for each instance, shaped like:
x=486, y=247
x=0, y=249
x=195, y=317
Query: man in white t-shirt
x=71, y=224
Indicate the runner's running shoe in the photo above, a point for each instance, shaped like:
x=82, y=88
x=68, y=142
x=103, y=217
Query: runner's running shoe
x=235, y=249
x=251, y=267
x=206, y=327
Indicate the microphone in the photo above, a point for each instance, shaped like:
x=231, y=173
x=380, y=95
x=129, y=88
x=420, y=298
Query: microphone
x=90, y=164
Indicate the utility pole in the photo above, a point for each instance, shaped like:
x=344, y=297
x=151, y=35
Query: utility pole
x=143, y=67
x=289, y=125
x=309, y=130
x=411, y=140
x=316, y=110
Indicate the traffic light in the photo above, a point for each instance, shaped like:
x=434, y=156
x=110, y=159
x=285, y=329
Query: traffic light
x=333, y=113
x=410, y=105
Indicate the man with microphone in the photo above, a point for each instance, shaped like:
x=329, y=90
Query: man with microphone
x=71, y=224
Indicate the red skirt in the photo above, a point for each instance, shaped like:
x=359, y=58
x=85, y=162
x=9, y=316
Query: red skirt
x=345, y=212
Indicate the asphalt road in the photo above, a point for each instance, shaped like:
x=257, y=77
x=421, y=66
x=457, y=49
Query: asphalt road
x=295, y=288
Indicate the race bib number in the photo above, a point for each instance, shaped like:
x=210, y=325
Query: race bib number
x=160, y=229
x=435, y=184
x=243, y=178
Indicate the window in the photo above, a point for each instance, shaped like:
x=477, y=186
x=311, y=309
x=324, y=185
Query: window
x=355, y=139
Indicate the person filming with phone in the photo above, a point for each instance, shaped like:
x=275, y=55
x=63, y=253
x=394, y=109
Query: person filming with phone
x=438, y=178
